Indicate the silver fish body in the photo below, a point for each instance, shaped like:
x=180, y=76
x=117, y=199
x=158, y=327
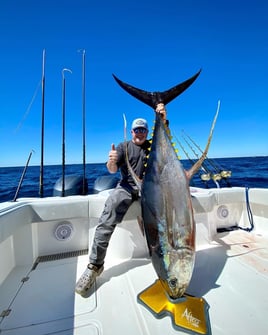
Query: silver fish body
x=168, y=215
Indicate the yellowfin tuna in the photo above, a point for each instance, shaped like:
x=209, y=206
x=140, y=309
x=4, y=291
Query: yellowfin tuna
x=167, y=212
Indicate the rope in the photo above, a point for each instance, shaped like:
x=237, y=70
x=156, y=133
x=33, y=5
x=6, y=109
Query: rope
x=250, y=215
x=250, y=218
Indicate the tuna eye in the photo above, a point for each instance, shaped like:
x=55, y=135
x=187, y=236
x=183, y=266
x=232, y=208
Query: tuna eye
x=173, y=282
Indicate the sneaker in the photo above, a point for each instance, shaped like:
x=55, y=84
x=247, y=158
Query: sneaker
x=87, y=279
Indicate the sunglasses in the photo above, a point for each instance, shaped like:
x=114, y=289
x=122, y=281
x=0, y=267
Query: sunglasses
x=140, y=130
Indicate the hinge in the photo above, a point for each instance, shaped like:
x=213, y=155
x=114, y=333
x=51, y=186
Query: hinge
x=5, y=313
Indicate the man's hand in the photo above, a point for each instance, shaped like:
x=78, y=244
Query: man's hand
x=160, y=108
x=113, y=157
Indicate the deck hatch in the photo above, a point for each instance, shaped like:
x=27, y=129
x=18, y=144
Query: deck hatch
x=62, y=255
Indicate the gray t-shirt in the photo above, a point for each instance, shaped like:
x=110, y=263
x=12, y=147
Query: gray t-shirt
x=137, y=156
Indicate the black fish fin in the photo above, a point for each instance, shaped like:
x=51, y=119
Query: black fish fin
x=153, y=98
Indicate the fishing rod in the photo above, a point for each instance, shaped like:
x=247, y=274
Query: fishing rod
x=22, y=176
x=215, y=176
x=217, y=167
x=204, y=176
x=220, y=173
x=41, y=178
x=198, y=147
x=63, y=130
x=208, y=172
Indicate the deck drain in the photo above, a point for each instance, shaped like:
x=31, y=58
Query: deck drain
x=62, y=255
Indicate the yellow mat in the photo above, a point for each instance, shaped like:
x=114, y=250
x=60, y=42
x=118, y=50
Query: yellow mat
x=188, y=313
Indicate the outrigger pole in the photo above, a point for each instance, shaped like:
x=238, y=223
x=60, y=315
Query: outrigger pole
x=84, y=119
x=63, y=131
x=41, y=178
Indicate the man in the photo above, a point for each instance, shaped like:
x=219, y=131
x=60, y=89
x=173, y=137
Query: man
x=121, y=198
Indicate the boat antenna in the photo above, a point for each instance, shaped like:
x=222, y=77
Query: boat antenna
x=63, y=130
x=41, y=178
x=84, y=118
x=22, y=176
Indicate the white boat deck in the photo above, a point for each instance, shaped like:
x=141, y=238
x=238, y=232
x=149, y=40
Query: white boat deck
x=231, y=274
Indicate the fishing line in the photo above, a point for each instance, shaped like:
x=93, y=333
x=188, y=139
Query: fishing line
x=28, y=109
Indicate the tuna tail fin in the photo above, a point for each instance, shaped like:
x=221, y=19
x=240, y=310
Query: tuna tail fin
x=153, y=98
x=199, y=163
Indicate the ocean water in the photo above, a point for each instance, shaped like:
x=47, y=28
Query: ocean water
x=246, y=172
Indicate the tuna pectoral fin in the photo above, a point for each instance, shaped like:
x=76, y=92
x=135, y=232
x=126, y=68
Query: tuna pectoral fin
x=141, y=224
x=198, y=164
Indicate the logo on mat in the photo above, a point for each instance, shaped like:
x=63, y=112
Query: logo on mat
x=190, y=318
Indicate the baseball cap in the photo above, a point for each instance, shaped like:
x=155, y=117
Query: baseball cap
x=139, y=123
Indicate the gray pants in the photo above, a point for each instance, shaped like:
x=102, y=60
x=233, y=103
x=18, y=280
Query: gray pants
x=114, y=210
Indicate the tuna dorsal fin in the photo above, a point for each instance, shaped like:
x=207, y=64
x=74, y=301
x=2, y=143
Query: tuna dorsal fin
x=153, y=98
x=136, y=179
x=199, y=163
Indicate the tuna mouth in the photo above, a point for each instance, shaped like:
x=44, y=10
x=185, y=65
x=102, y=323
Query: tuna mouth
x=174, y=292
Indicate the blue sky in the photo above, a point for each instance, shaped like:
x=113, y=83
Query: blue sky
x=150, y=44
